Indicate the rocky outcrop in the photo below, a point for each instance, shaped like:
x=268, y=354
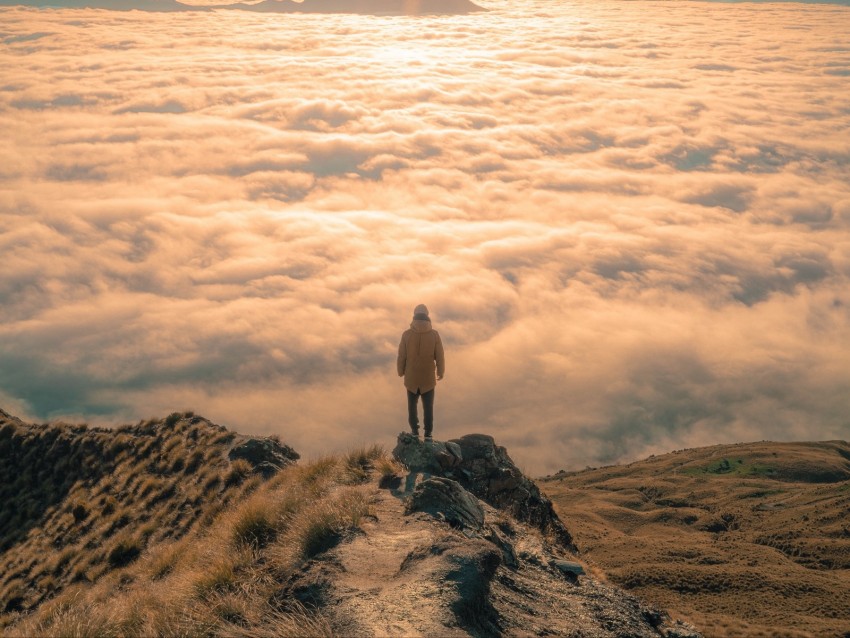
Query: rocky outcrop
x=434, y=457
x=266, y=456
x=445, y=499
x=484, y=469
x=5, y=417
x=436, y=561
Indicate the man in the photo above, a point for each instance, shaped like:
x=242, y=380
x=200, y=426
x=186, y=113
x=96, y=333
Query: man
x=420, y=358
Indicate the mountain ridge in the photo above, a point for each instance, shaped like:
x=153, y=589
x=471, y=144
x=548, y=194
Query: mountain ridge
x=362, y=7
x=367, y=543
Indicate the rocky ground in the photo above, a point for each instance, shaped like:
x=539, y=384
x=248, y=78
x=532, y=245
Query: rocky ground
x=462, y=543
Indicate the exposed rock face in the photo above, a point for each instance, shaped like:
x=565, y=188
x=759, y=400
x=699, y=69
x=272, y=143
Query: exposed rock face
x=446, y=499
x=265, y=455
x=486, y=470
x=436, y=457
x=472, y=567
x=409, y=574
x=5, y=417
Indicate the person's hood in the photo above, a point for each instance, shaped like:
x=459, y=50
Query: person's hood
x=421, y=325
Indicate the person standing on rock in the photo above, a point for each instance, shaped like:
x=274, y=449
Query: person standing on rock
x=421, y=362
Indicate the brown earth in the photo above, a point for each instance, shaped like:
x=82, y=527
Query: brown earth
x=741, y=540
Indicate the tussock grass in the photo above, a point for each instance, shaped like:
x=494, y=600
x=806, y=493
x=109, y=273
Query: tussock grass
x=80, y=503
x=223, y=579
x=387, y=466
x=240, y=469
x=256, y=523
x=161, y=562
x=295, y=623
x=359, y=461
x=217, y=575
x=322, y=524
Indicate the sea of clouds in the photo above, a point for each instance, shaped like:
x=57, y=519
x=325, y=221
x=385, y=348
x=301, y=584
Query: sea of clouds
x=630, y=221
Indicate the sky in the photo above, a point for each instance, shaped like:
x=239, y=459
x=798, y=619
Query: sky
x=629, y=220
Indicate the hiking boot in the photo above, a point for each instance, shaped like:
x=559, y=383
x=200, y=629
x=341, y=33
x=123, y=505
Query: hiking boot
x=429, y=438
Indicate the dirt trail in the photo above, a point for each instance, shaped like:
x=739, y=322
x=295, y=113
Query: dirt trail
x=372, y=586
x=415, y=575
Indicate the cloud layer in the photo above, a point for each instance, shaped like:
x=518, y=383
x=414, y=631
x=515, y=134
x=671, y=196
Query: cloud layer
x=631, y=221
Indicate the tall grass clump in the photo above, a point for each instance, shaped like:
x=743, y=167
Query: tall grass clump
x=296, y=622
x=360, y=461
x=163, y=561
x=240, y=469
x=256, y=522
x=319, y=526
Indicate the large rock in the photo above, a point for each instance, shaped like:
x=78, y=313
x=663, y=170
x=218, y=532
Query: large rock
x=484, y=469
x=266, y=456
x=445, y=498
x=434, y=457
x=488, y=472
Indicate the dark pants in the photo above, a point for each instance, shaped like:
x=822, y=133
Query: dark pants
x=427, y=407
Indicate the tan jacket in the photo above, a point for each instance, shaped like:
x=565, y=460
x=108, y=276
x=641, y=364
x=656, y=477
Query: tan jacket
x=420, y=349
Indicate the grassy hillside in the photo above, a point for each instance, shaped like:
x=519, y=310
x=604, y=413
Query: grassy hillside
x=78, y=504
x=222, y=576
x=742, y=540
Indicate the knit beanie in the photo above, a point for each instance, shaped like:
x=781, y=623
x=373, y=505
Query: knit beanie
x=420, y=312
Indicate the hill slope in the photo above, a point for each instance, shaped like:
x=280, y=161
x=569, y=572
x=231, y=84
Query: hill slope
x=742, y=540
x=77, y=503
x=153, y=530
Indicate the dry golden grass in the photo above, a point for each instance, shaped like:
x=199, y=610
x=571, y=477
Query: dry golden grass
x=80, y=502
x=742, y=540
x=222, y=579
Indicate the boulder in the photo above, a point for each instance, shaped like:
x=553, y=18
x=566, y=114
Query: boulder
x=434, y=457
x=445, y=498
x=266, y=456
x=567, y=567
x=484, y=469
x=488, y=472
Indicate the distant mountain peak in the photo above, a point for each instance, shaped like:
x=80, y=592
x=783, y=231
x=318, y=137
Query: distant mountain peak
x=364, y=7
